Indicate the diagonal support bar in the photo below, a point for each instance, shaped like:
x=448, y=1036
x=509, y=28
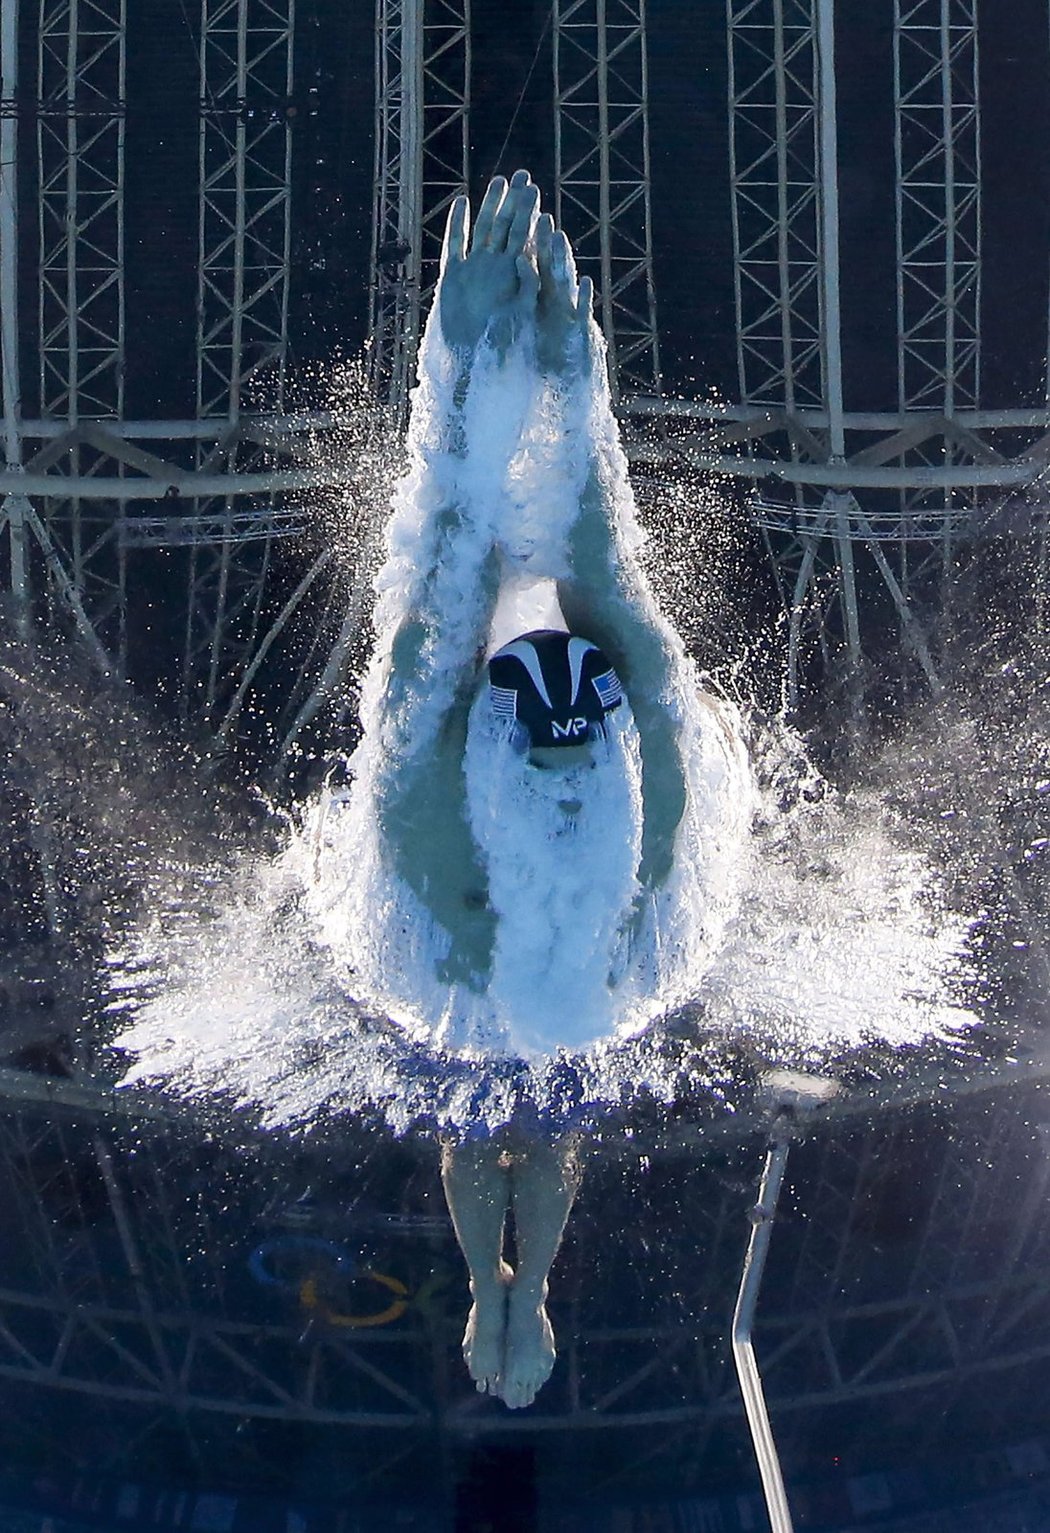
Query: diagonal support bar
x=743, y=1320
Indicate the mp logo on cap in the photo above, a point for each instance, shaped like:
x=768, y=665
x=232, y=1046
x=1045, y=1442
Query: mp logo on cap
x=569, y=730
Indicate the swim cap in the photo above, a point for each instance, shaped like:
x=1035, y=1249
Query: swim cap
x=555, y=685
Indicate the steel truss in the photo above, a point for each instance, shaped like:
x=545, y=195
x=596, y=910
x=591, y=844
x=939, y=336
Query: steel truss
x=80, y=143
x=79, y=107
x=178, y=1360
x=995, y=452
x=934, y=455
x=194, y=485
x=826, y=1335
x=81, y=72
x=937, y=146
x=774, y=175
x=601, y=170
x=423, y=61
x=938, y=236
x=246, y=82
x=85, y=494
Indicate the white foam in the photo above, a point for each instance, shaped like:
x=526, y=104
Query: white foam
x=323, y=980
x=580, y=951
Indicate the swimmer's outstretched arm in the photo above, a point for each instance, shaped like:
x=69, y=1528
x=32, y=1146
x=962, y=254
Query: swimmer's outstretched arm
x=607, y=599
x=486, y=294
x=605, y=595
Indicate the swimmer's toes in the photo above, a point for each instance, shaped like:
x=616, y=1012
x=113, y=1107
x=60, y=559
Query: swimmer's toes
x=530, y=1355
x=484, y=1337
x=483, y=1347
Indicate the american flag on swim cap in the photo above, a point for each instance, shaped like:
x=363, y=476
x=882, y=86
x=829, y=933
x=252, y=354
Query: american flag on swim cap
x=608, y=688
x=503, y=700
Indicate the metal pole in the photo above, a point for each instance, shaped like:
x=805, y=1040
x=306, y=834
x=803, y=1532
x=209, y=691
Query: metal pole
x=410, y=205
x=9, y=230
x=604, y=196
x=647, y=182
x=137, y=1271
x=783, y=210
x=840, y=505
x=951, y=292
x=743, y=1319
x=286, y=245
x=239, y=224
x=72, y=223
x=832, y=320
x=15, y=507
x=829, y=223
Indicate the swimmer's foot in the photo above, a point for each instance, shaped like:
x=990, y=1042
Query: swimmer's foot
x=484, y=1337
x=530, y=1347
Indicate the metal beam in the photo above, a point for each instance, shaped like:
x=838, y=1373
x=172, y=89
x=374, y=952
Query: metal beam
x=784, y=177
x=244, y=268
x=774, y=183
x=938, y=204
x=761, y=1216
x=12, y=510
x=602, y=193
x=831, y=302
x=81, y=86
x=937, y=146
x=245, y=146
x=422, y=96
x=81, y=74
x=178, y=485
x=981, y=419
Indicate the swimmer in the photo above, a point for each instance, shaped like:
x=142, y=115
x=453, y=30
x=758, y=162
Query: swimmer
x=514, y=277
x=559, y=715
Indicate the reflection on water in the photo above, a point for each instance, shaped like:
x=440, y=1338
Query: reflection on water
x=909, y=1243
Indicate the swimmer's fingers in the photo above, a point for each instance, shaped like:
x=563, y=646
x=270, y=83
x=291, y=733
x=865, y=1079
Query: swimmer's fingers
x=528, y=282
x=526, y=207
x=563, y=267
x=495, y=193
x=570, y=266
x=457, y=231
x=502, y=221
x=584, y=304
x=544, y=235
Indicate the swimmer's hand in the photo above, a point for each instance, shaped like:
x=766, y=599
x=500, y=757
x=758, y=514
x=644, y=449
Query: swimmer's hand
x=488, y=279
x=563, y=306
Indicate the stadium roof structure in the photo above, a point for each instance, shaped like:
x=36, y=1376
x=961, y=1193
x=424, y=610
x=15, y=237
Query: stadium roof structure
x=182, y=1293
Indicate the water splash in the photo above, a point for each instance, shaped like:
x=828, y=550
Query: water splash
x=839, y=941
x=321, y=981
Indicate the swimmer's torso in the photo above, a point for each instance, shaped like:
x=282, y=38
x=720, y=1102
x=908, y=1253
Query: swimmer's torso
x=527, y=852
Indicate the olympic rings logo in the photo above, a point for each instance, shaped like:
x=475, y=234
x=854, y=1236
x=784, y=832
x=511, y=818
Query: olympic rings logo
x=309, y=1299
x=268, y=1258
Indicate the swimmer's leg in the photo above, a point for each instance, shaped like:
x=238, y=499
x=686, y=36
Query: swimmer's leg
x=544, y=1181
x=477, y=1189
